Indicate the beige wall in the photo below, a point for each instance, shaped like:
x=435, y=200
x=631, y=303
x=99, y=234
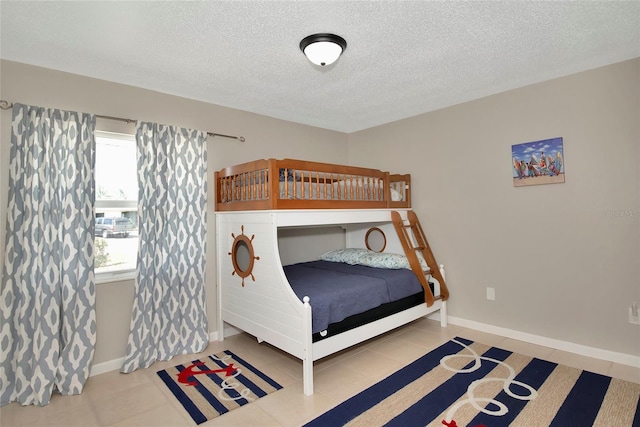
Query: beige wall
x=265, y=137
x=564, y=259
x=562, y=268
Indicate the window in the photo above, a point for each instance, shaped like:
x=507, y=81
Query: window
x=116, y=230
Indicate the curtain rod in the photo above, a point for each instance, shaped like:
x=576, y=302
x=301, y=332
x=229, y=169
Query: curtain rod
x=5, y=105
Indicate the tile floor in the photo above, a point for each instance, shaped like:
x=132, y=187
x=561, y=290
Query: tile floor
x=141, y=399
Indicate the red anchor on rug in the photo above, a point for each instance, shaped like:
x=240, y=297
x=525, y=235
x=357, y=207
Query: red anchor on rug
x=452, y=423
x=183, y=376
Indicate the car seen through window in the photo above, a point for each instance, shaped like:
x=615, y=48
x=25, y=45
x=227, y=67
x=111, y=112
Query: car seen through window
x=113, y=227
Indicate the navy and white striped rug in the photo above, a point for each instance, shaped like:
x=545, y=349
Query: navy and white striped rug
x=216, y=384
x=462, y=383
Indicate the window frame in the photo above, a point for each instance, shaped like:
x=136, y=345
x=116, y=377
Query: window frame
x=128, y=273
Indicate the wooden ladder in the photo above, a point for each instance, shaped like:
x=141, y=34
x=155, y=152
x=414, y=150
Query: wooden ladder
x=421, y=245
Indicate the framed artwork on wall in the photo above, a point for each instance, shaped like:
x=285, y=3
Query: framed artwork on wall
x=538, y=162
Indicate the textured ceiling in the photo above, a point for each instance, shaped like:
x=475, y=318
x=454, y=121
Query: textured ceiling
x=403, y=58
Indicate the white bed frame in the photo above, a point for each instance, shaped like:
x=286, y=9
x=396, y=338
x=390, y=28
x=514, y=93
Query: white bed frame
x=266, y=306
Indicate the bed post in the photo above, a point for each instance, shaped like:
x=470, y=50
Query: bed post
x=219, y=249
x=443, y=309
x=307, y=361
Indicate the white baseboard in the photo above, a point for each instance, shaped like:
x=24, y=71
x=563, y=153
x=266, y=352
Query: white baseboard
x=116, y=364
x=228, y=331
x=108, y=366
x=597, y=353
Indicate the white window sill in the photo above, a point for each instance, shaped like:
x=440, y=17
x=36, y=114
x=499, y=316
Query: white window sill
x=115, y=276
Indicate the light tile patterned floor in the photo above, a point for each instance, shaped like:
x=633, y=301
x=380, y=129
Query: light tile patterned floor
x=141, y=399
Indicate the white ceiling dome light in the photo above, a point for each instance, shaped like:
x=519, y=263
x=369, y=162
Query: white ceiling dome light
x=323, y=49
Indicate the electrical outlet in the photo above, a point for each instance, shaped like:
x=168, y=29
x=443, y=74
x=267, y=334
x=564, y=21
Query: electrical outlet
x=634, y=316
x=491, y=294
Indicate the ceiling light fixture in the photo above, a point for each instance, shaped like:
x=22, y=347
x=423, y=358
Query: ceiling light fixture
x=323, y=49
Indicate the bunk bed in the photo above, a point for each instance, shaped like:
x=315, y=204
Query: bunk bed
x=272, y=302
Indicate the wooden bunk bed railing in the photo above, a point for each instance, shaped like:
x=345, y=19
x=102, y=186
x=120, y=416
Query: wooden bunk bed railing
x=245, y=184
x=401, y=184
x=416, y=241
x=296, y=184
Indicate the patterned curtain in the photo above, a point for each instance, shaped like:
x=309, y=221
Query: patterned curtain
x=47, y=300
x=169, y=316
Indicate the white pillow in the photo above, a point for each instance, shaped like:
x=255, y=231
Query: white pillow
x=348, y=255
x=390, y=260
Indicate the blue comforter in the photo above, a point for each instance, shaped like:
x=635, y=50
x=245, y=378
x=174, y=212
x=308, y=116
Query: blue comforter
x=338, y=290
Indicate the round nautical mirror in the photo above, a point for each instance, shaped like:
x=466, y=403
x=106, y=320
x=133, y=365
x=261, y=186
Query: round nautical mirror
x=242, y=257
x=375, y=239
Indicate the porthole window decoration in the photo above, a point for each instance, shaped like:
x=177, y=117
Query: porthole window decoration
x=242, y=256
x=375, y=239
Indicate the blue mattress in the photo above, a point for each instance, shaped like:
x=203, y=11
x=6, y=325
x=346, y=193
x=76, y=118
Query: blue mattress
x=338, y=290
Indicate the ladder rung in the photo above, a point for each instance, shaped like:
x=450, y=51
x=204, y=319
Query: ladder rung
x=419, y=248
